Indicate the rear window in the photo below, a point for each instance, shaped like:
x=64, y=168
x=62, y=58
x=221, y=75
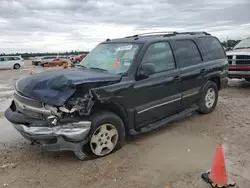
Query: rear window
x=188, y=53
x=17, y=58
x=212, y=48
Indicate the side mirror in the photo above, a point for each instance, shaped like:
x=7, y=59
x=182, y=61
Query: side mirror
x=146, y=70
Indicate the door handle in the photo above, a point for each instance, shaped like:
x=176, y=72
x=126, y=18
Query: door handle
x=203, y=71
x=177, y=78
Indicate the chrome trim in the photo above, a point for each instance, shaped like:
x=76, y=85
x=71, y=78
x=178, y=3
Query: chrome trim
x=24, y=99
x=247, y=73
x=158, y=105
x=31, y=108
x=41, y=109
x=21, y=96
x=189, y=95
x=234, y=60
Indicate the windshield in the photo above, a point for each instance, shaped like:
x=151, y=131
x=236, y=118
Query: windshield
x=113, y=57
x=243, y=44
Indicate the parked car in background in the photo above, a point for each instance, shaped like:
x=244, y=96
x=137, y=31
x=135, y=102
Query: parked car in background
x=9, y=62
x=124, y=86
x=71, y=57
x=78, y=58
x=36, y=60
x=41, y=60
x=46, y=60
x=239, y=60
x=59, y=61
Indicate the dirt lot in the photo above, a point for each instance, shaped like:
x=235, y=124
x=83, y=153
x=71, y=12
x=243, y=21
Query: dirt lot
x=173, y=157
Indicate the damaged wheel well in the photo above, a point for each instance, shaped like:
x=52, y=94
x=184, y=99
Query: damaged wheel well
x=112, y=107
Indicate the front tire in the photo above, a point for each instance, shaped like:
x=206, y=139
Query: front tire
x=208, y=98
x=106, y=136
x=17, y=66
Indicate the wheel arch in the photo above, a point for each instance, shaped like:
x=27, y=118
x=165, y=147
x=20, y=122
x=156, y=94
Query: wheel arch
x=216, y=80
x=115, y=108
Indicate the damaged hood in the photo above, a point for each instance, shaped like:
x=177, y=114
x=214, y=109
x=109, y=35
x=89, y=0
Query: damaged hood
x=55, y=87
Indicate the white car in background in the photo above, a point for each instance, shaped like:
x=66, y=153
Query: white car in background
x=11, y=62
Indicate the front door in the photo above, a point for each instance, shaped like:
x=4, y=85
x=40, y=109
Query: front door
x=157, y=96
x=2, y=63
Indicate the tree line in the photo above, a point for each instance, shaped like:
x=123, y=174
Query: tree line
x=229, y=43
x=32, y=54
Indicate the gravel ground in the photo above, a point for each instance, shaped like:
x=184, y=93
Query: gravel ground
x=174, y=156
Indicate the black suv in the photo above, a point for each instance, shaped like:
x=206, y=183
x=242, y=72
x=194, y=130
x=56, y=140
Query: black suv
x=124, y=86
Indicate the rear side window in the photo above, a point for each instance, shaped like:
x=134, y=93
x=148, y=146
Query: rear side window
x=1, y=59
x=160, y=54
x=187, y=53
x=17, y=58
x=9, y=58
x=212, y=48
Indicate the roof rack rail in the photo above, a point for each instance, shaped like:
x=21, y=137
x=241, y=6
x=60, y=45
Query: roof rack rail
x=150, y=33
x=193, y=33
x=170, y=33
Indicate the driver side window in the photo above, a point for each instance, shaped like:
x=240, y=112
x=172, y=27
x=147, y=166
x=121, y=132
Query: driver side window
x=160, y=54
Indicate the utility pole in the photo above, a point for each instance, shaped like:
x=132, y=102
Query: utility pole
x=227, y=42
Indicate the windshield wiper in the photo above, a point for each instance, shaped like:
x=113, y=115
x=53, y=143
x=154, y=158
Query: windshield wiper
x=241, y=48
x=97, y=68
x=79, y=65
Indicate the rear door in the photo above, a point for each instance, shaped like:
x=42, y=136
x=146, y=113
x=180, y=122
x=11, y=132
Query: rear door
x=192, y=70
x=157, y=96
x=19, y=61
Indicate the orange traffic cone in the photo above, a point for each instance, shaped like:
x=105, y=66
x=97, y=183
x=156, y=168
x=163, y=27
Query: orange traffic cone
x=218, y=175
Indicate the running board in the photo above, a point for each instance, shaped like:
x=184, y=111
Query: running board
x=164, y=122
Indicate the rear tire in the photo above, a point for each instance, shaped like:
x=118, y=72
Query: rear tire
x=106, y=136
x=16, y=66
x=51, y=65
x=208, y=98
x=64, y=64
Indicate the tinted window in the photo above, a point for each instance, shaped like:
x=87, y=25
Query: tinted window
x=2, y=59
x=187, y=53
x=212, y=48
x=161, y=55
x=49, y=57
x=9, y=58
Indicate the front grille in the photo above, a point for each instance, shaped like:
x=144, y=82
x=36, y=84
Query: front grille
x=18, y=98
x=238, y=59
x=229, y=58
x=29, y=113
x=26, y=100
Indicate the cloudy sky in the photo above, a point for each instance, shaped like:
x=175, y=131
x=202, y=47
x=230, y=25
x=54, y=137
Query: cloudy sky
x=65, y=25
